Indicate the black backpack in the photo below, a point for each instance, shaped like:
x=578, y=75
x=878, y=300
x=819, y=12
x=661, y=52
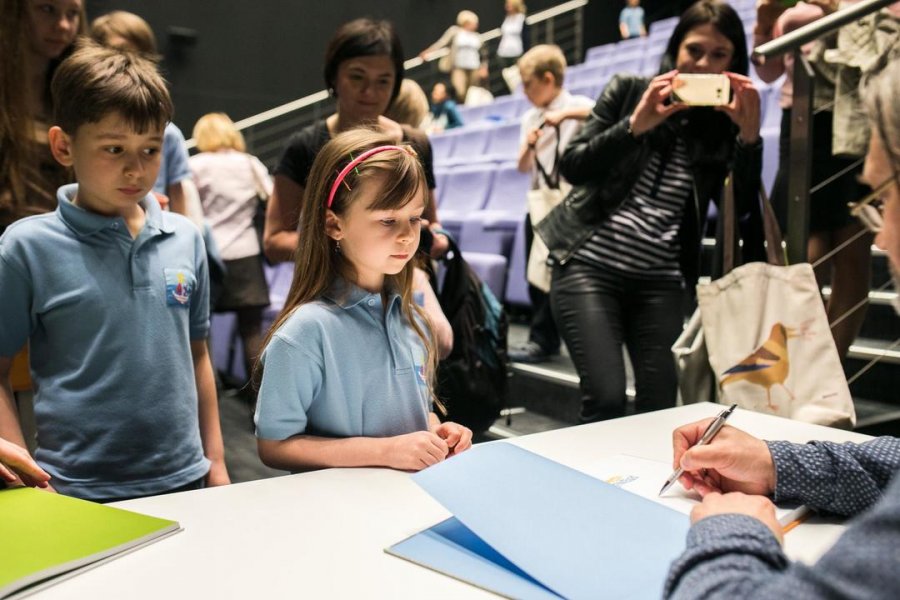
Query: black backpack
x=472, y=381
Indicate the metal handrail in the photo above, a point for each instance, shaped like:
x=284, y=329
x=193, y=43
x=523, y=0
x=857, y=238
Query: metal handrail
x=818, y=28
x=323, y=95
x=802, y=111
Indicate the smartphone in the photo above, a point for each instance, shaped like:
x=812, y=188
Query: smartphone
x=701, y=89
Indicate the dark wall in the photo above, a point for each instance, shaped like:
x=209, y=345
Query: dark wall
x=245, y=57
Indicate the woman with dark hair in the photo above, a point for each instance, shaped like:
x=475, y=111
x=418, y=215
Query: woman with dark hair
x=363, y=71
x=626, y=241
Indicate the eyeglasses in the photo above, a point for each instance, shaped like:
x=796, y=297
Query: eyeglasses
x=870, y=209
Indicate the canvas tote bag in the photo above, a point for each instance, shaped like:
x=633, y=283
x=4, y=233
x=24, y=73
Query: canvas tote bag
x=766, y=336
x=540, y=202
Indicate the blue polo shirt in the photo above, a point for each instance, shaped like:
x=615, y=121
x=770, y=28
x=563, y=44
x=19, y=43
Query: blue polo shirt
x=343, y=366
x=109, y=320
x=633, y=17
x=174, y=165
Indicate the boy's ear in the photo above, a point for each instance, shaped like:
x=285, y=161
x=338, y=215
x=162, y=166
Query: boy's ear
x=333, y=227
x=60, y=146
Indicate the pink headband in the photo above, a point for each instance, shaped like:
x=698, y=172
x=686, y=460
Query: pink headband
x=355, y=162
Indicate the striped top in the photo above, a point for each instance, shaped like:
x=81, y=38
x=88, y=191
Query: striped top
x=641, y=237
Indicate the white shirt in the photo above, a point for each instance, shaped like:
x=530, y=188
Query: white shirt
x=228, y=182
x=546, y=146
x=466, y=50
x=511, y=38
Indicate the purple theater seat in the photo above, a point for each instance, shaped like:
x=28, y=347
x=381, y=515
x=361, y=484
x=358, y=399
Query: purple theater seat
x=222, y=326
x=466, y=190
x=440, y=181
x=652, y=58
x=584, y=89
x=591, y=73
x=473, y=115
x=503, y=143
x=503, y=107
x=469, y=144
x=626, y=63
x=491, y=268
x=441, y=147
x=227, y=350
x=599, y=53
x=662, y=29
x=630, y=46
x=492, y=230
x=516, y=284
x=279, y=277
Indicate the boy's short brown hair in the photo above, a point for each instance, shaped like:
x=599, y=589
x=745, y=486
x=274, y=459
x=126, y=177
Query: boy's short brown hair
x=543, y=58
x=96, y=81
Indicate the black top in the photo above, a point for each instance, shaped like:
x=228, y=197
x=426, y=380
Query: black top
x=302, y=148
x=604, y=161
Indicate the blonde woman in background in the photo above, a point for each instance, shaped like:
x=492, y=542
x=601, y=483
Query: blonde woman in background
x=465, y=62
x=512, y=43
x=231, y=184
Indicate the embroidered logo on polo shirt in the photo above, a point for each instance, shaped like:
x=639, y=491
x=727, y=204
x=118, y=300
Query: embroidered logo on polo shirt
x=179, y=287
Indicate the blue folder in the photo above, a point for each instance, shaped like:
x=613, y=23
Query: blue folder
x=524, y=526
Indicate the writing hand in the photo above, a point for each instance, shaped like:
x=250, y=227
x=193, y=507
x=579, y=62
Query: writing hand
x=734, y=461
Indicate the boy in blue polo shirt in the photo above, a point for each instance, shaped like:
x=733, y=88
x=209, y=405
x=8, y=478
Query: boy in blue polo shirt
x=112, y=295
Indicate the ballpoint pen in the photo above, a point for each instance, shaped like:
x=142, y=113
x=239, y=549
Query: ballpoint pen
x=706, y=438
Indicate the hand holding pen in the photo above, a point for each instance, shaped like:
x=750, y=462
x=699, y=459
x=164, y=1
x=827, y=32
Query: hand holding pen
x=734, y=461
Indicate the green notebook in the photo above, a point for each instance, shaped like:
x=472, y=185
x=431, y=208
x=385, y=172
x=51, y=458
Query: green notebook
x=44, y=536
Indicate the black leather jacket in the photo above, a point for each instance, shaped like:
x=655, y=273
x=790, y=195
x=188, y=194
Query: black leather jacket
x=603, y=162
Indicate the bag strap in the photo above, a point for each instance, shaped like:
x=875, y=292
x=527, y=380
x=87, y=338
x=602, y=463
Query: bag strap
x=771, y=231
x=774, y=247
x=552, y=180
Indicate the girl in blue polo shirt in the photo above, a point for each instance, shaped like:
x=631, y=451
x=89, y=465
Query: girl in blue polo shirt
x=348, y=366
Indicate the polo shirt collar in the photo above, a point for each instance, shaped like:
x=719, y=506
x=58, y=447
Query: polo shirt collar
x=561, y=100
x=347, y=295
x=85, y=223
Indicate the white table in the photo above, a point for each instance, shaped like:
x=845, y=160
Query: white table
x=322, y=534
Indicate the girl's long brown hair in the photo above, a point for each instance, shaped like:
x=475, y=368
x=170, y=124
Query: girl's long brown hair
x=17, y=159
x=318, y=262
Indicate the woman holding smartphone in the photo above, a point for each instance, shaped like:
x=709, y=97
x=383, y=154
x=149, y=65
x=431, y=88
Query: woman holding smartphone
x=626, y=242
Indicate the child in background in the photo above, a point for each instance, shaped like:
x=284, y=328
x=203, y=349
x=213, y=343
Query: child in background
x=127, y=31
x=444, y=114
x=231, y=184
x=631, y=20
x=348, y=366
x=555, y=112
x=111, y=293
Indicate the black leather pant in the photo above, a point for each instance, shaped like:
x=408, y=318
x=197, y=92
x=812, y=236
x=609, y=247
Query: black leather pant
x=598, y=310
